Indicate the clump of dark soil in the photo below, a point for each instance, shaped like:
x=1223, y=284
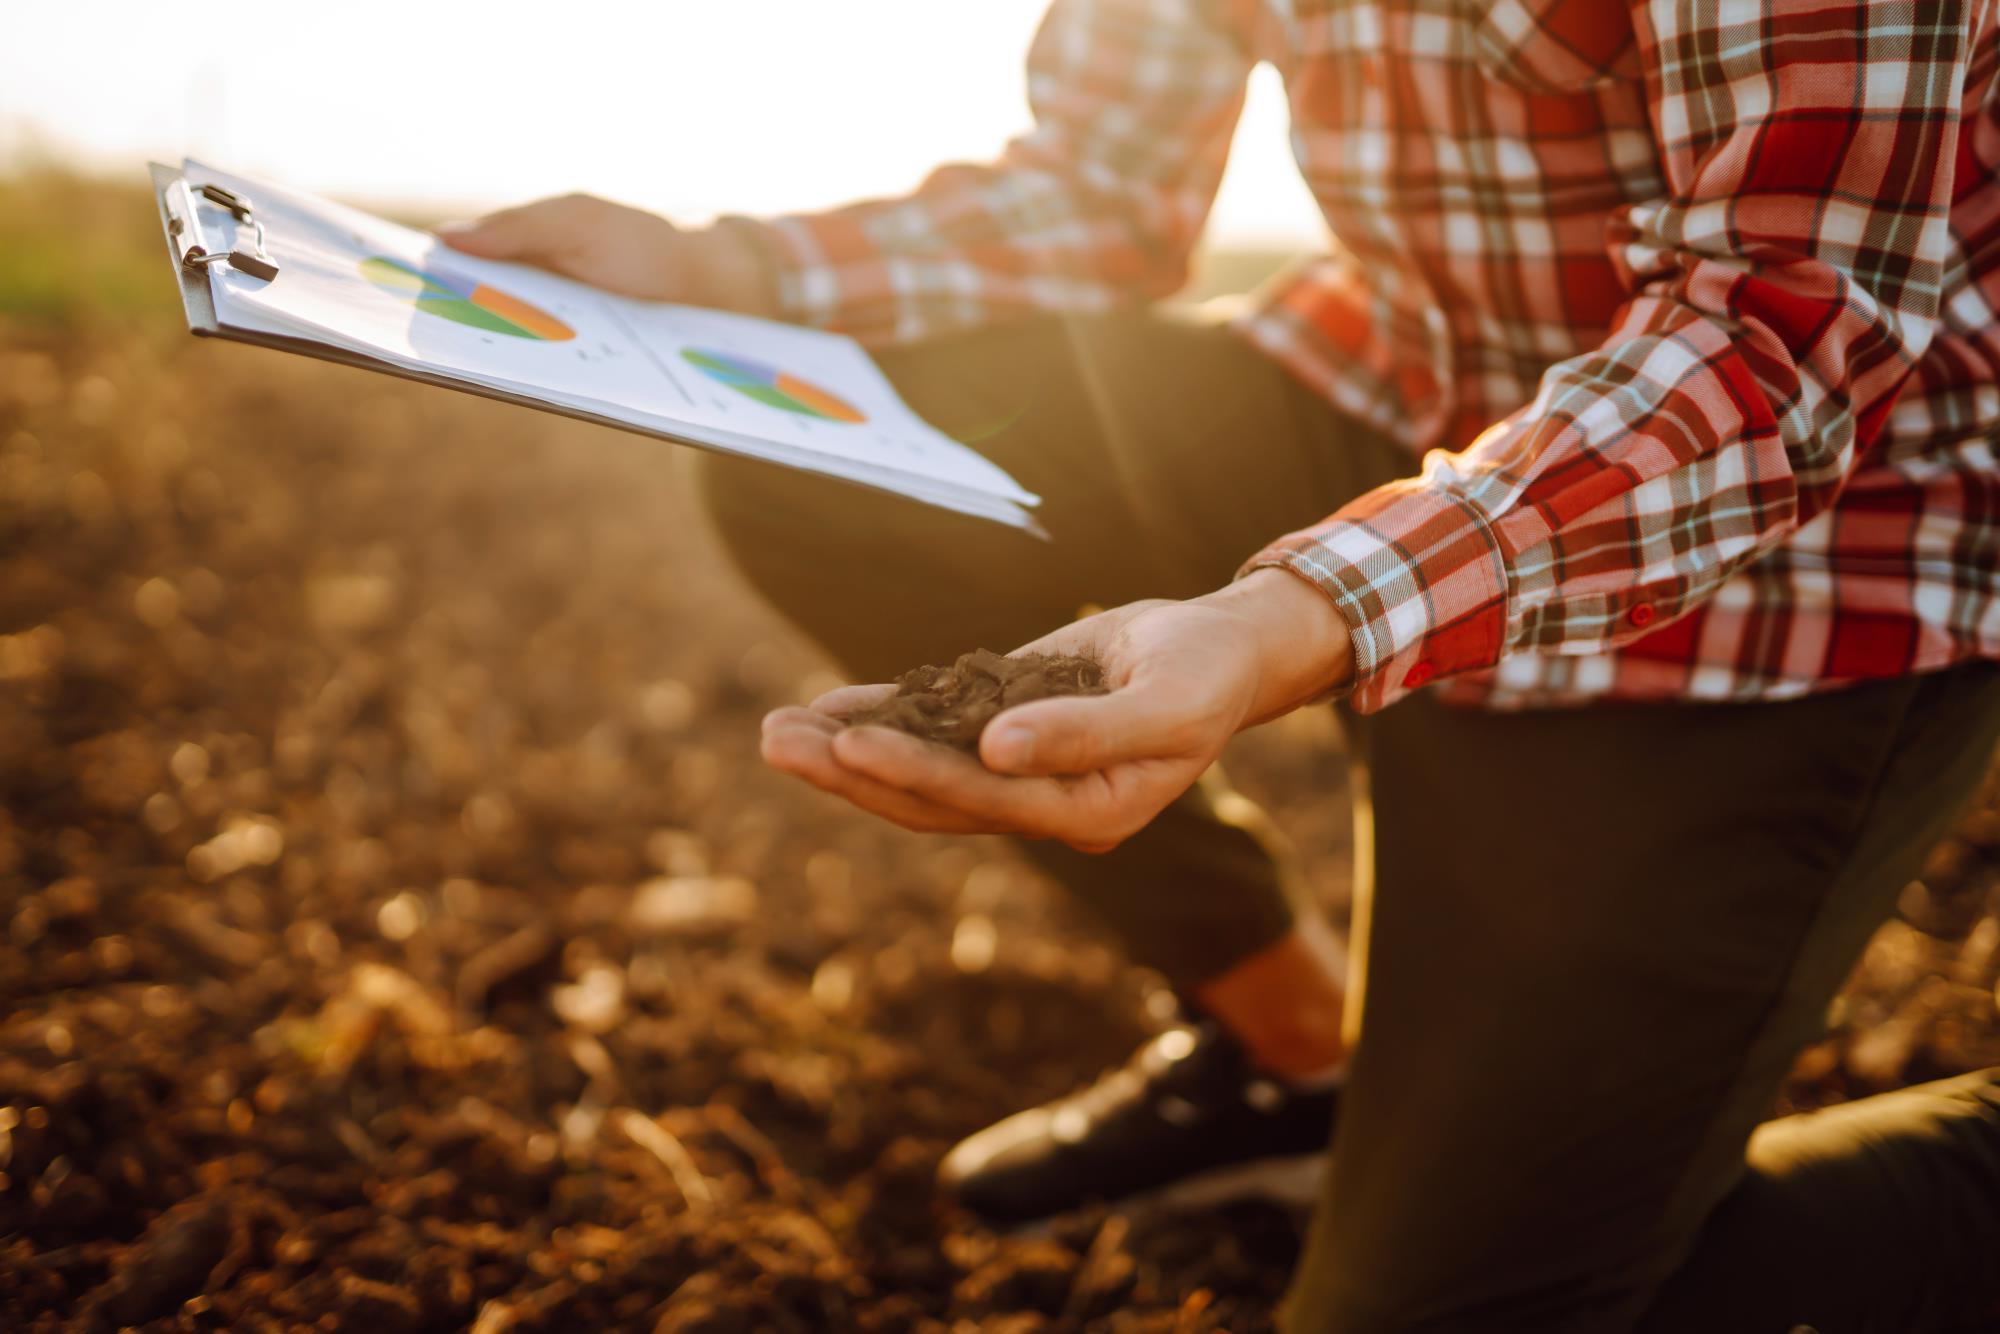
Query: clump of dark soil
x=952, y=705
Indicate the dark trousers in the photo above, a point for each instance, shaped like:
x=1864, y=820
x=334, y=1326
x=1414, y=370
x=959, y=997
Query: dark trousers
x=1589, y=942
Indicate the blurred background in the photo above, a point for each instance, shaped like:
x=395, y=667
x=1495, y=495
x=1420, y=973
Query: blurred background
x=688, y=109
x=396, y=925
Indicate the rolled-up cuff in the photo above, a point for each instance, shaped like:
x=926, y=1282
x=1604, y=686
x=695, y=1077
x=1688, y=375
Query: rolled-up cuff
x=1420, y=579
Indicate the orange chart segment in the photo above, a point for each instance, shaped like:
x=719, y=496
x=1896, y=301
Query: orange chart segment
x=818, y=399
x=535, y=320
x=463, y=301
x=773, y=387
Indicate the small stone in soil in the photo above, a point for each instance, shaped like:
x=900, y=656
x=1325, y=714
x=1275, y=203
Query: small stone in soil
x=952, y=705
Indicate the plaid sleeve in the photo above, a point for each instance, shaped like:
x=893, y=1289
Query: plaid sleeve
x=1782, y=292
x=1101, y=202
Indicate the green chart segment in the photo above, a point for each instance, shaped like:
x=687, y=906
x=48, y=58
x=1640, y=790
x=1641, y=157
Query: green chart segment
x=464, y=301
x=770, y=385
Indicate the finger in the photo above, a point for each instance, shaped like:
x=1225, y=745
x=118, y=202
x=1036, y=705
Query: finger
x=530, y=232
x=1083, y=734
x=795, y=716
x=803, y=750
x=822, y=768
x=842, y=701
x=1044, y=807
x=887, y=803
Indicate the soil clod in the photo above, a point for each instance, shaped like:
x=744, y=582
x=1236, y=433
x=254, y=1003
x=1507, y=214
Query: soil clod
x=952, y=705
x=169, y=1264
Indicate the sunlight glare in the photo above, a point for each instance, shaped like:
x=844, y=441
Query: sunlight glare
x=752, y=106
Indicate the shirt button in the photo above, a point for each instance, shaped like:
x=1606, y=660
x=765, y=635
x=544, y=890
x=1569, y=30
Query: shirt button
x=1418, y=675
x=1641, y=615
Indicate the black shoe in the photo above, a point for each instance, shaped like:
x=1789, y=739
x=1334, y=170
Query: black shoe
x=1185, y=1123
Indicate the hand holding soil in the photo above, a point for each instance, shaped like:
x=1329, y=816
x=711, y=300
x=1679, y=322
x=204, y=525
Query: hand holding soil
x=952, y=705
x=1178, y=680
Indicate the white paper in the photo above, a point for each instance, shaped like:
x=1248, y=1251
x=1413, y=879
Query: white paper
x=799, y=397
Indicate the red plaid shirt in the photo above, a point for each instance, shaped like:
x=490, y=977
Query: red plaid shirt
x=1693, y=305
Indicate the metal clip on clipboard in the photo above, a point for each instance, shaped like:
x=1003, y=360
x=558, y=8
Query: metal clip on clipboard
x=184, y=226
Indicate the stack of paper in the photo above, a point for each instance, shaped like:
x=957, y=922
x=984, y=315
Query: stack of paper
x=798, y=397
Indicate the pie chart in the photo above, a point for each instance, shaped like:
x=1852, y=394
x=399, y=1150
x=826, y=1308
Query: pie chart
x=451, y=297
x=770, y=385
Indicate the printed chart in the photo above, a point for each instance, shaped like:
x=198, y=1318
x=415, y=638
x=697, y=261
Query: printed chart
x=801, y=398
x=451, y=297
x=767, y=384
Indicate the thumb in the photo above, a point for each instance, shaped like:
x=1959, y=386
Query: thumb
x=531, y=232
x=1082, y=734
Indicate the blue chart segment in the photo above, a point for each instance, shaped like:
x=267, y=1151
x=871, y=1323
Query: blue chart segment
x=770, y=385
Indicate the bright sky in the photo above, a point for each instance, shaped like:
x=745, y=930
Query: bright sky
x=686, y=106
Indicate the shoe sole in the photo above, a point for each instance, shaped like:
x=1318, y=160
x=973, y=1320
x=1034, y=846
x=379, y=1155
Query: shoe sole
x=1291, y=1183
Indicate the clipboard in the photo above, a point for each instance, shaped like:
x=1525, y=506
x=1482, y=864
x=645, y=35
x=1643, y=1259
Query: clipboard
x=194, y=250
x=183, y=232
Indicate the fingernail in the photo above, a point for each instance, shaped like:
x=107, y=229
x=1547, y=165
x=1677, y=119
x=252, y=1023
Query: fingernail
x=1013, y=747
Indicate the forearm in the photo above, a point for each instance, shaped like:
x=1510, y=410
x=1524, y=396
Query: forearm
x=1099, y=204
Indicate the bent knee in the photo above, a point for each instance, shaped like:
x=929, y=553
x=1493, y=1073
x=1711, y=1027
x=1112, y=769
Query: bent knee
x=731, y=490
x=771, y=519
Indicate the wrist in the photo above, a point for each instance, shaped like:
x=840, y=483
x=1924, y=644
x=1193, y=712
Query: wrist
x=1302, y=643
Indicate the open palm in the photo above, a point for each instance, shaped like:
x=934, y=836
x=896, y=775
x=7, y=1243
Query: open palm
x=1090, y=771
